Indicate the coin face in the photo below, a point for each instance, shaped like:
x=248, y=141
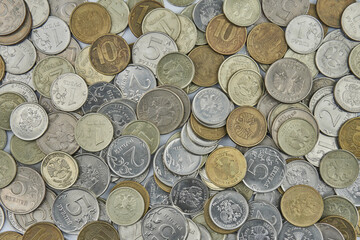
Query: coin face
x=343, y=93
x=246, y=231
x=354, y=59
x=109, y=54
x=20, y=88
x=307, y=59
x=43, y=230
x=242, y=13
x=266, y=211
x=333, y=206
x=330, y=11
x=157, y=195
x=98, y=229
x=8, y=168
x=119, y=13
x=324, y=145
x=289, y=230
x=188, y=34
x=13, y=17
x=89, y=21
x=11, y=236
x=206, y=10
x=329, y=231
x=8, y=102
x=300, y=173
x=343, y=225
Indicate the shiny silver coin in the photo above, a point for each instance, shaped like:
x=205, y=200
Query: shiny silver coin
x=20, y=88
x=253, y=227
x=272, y=197
x=161, y=171
x=157, y=195
x=204, y=11
x=324, y=189
x=318, y=95
x=290, y=231
x=131, y=232
x=329, y=232
x=194, y=231
x=266, y=211
x=300, y=172
x=192, y=147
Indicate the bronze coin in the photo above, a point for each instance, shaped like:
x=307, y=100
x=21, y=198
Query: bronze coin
x=330, y=11
x=89, y=21
x=312, y=12
x=224, y=37
x=349, y=136
x=43, y=230
x=207, y=63
x=138, y=13
x=2, y=68
x=10, y=236
x=206, y=132
x=110, y=54
x=98, y=230
x=266, y=43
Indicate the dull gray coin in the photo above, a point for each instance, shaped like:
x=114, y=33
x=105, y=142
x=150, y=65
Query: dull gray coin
x=193, y=147
x=300, y=172
x=204, y=11
x=24, y=78
x=161, y=171
x=20, y=88
x=268, y=231
x=350, y=21
x=352, y=192
x=346, y=93
x=157, y=195
x=329, y=232
x=290, y=231
x=324, y=145
x=63, y=8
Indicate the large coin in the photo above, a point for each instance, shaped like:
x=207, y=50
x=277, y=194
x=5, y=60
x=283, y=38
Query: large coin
x=330, y=11
x=8, y=169
x=247, y=230
x=43, y=230
x=12, y=17
x=98, y=229
x=8, y=102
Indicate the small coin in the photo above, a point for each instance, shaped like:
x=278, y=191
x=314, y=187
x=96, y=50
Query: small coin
x=289, y=230
x=324, y=145
x=344, y=93
x=8, y=102
x=109, y=54
x=43, y=230
x=98, y=229
x=335, y=204
x=63, y=8
x=9, y=165
x=188, y=34
x=157, y=195
x=266, y=43
x=119, y=13
x=13, y=16
x=330, y=11
x=329, y=232
x=242, y=13
x=246, y=231
x=202, y=14
x=10, y=236
x=89, y=21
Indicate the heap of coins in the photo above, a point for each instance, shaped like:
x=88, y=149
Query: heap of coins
x=205, y=120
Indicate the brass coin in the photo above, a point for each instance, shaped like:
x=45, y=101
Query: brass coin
x=246, y=126
x=98, y=230
x=330, y=11
x=10, y=236
x=266, y=43
x=357, y=229
x=207, y=63
x=89, y=21
x=349, y=136
x=312, y=12
x=343, y=225
x=43, y=230
x=224, y=37
x=25, y=152
x=206, y=132
x=226, y=167
x=302, y=205
x=9, y=165
x=161, y=185
x=3, y=139
x=8, y=102
x=2, y=68
x=110, y=54
x=137, y=14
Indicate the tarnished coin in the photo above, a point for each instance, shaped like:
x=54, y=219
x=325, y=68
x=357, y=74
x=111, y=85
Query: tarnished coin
x=8, y=102
x=134, y=81
x=319, y=94
x=131, y=232
x=300, y=172
x=74, y=208
x=247, y=230
x=329, y=232
x=188, y=34
x=28, y=187
x=354, y=60
x=3, y=139
x=157, y=195
x=348, y=136
x=43, y=230
x=193, y=147
x=119, y=13
x=40, y=11
x=21, y=89
x=191, y=135
x=266, y=211
x=89, y=21
x=2, y=68
x=9, y=235
x=63, y=8
x=51, y=38
x=9, y=167
x=266, y=43
x=47, y=70
x=330, y=11
x=109, y=54
x=205, y=234
x=324, y=145
x=336, y=205
x=307, y=59
x=346, y=95
x=291, y=231
x=302, y=205
x=312, y=12
x=12, y=17
x=194, y=231
x=204, y=11
x=343, y=225
x=273, y=168
x=94, y=132
x=242, y=13
x=224, y=37
x=199, y=219
x=226, y=167
x=98, y=229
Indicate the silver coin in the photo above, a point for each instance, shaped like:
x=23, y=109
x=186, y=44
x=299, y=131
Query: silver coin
x=219, y=214
x=128, y=156
x=119, y=113
x=180, y=161
x=28, y=188
x=330, y=116
x=300, y=172
x=189, y=195
x=20, y=88
x=266, y=169
x=282, y=12
x=318, y=95
x=128, y=102
x=12, y=16
x=197, y=140
x=211, y=106
x=266, y=103
x=332, y=58
x=336, y=205
x=94, y=174
x=338, y=34
x=272, y=197
x=307, y=59
x=24, y=78
x=63, y=8
x=138, y=179
x=352, y=192
x=19, y=58
x=329, y=232
x=151, y=47
x=29, y=121
x=132, y=232
x=98, y=94
x=255, y=227
x=267, y=141
x=73, y=208
x=39, y=10
x=161, y=171
x=317, y=84
x=288, y=80
x=204, y=11
x=350, y=21
x=103, y=215
x=231, y=236
x=291, y=232
x=205, y=234
x=157, y=195
x=193, y=147
x=266, y=211
x=324, y=144
x=161, y=218
x=194, y=231
x=2, y=217
x=324, y=189
x=304, y=34
x=346, y=93
x=134, y=81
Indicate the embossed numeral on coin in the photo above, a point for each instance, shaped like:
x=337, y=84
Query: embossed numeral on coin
x=106, y=52
x=155, y=53
x=222, y=30
x=142, y=14
x=22, y=55
x=132, y=156
x=77, y=210
x=334, y=120
x=42, y=234
x=264, y=168
x=29, y=219
x=167, y=231
x=134, y=80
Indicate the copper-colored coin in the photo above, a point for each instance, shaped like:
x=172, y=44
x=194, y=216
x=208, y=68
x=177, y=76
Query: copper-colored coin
x=343, y=225
x=349, y=136
x=89, y=21
x=206, y=132
x=226, y=167
x=357, y=229
x=330, y=11
x=21, y=33
x=43, y=230
x=224, y=37
x=266, y=43
x=110, y=54
x=207, y=63
x=246, y=126
x=312, y=12
x=10, y=236
x=161, y=185
x=302, y=205
x=2, y=68
x=138, y=13
x=98, y=230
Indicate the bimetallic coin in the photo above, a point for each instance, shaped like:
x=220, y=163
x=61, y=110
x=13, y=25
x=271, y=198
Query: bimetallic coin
x=9, y=169
x=8, y=102
x=188, y=34
x=204, y=11
x=336, y=205
x=98, y=229
x=344, y=93
x=354, y=59
x=329, y=232
x=330, y=11
x=119, y=13
x=20, y=88
x=242, y=13
x=343, y=225
x=251, y=228
x=300, y=173
x=266, y=211
x=3, y=139
x=13, y=16
x=291, y=231
x=348, y=136
x=43, y=230
x=157, y=195
x=324, y=145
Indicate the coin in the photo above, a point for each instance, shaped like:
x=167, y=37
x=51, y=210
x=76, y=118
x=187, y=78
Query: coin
x=272, y=197
x=266, y=43
x=343, y=225
x=205, y=234
x=26, y=152
x=42, y=230
x=225, y=167
x=131, y=231
x=188, y=34
x=206, y=132
x=347, y=136
x=206, y=10
x=109, y=54
x=335, y=204
x=119, y=13
x=98, y=229
x=181, y=3
x=266, y=211
x=190, y=135
x=300, y=172
x=157, y=195
x=199, y=219
x=324, y=145
x=13, y=17
x=2, y=68
x=329, y=232
x=9, y=166
x=348, y=21
x=350, y=192
x=289, y=230
x=344, y=93
x=8, y=102
x=246, y=231
x=89, y=21
x=63, y=8
x=330, y=11
x=3, y=139
x=20, y=88
x=339, y=35
x=242, y=13
x=354, y=59
x=132, y=3
x=10, y=236
x=312, y=12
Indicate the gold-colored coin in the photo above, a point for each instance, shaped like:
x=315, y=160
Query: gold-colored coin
x=10, y=236
x=89, y=21
x=137, y=14
x=206, y=132
x=207, y=63
x=98, y=230
x=266, y=43
x=244, y=190
x=330, y=11
x=110, y=54
x=2, y=68
x=302, y=205
x=349, y=136
x=343, y=225
x=226, y=167
x=43, y=230
x=357, y=229
x=246, y=126
x=312, y=12
x=224, y=37
x=8, y=102
x=161, y=185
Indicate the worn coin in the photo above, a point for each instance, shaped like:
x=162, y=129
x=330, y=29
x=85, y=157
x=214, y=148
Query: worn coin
x=9, y=235
x=247, y=230
x=290, y=231
x=43, y=230
x=330, y=11
x=307, y=59
x=98, y=229
x=191, y=135
x=193, y=147
x=119, y=13
x=354, y=60
x=242, y=13
x=157, y=195
x=348, y=136
x=3, y=139
x=343, y=225
x=20, y=88
x=329, y=232
x=63, y=8
x=272, y=197
x=351, y=192
x=40, y=11
x=339, y=35
x=8, y=169
x=266, y=211
x=336, y=205
x=345, y=93
x=161, y=172
x=206, y=132
x=188, y=34
x=8, y=102
x=300, y=172
x=12, y=17
x=2, y=68
x=131, y=232
x=324, y=145
x=318, y=83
